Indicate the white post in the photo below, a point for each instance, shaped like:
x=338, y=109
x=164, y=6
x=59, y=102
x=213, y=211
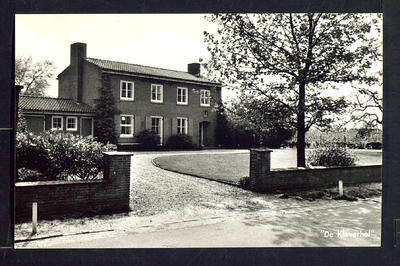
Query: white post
x=340, y=188
x=34, y=218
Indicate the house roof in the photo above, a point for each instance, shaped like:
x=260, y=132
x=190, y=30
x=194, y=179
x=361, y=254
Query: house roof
x=148, y=71
x=46, y=104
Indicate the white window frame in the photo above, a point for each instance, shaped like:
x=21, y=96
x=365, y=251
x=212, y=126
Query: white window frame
x=205, y=100
x=157, y=88
x=76, y=123
x=131, y=126
x=182, y=89
x=161, y=125
x=182, y=129
x=52, y=122
x=126, y=98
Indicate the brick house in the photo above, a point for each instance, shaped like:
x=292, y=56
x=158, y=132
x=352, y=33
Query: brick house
x=166, y=101
x=43, y=113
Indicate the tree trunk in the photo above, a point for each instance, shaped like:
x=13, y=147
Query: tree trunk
x=301, y=131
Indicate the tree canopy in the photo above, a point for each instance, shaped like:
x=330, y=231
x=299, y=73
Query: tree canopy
x=33, y=76
x=289, y=61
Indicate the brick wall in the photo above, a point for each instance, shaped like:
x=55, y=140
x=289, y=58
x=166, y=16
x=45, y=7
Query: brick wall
x=263, y=179
x=77, y=198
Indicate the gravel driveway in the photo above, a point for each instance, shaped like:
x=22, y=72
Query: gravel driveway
x=160, y=197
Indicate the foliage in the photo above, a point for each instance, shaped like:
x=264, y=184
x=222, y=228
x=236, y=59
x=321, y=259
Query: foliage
x=244, y=182
x=33, y=76
x=352, y=138
x=149, y=139
x=291, y=60
x=105, y=109
x=181, y=142
x=21, y=122
x=59, y=156
x=330, y=155
x=244, y=126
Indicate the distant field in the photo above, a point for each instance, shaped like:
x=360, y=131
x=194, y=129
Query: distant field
x=233, y=166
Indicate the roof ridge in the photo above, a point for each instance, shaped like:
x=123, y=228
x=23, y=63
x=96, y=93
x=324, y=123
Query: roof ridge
x=47, y=97
x=137, y=65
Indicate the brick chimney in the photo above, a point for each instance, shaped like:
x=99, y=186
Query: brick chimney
x=78, y=54
x=194, y=69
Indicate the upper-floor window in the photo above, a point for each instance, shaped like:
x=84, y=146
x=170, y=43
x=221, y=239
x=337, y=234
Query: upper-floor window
x=72, y=123
x=205, y=97
x=127, y=90
x=156, y=93
x=57, y=122
x=182, y=96
x=126, y=126
x=182, y=125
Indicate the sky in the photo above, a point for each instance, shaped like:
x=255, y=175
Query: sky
x=157, y=40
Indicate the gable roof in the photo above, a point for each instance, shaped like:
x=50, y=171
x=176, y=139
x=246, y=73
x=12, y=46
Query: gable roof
x=146, y=71
x=46, y=104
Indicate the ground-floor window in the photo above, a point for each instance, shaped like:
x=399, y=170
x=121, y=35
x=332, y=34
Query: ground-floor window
x=57, y=122
x=72, y=123
x=182, y=125
x=126, y=126
x=156, y=126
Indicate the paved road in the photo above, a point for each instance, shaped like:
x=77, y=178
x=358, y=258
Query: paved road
x=277, y=223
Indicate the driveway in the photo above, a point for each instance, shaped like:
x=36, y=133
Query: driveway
x=176, y=210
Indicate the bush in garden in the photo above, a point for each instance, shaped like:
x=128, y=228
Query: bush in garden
x=54, y=155
x=149, y=139
x=331, y=155
x=181, y=142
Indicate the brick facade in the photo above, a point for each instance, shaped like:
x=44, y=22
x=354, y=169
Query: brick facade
x=263, y=179
x=78, y=198
x=82, y=79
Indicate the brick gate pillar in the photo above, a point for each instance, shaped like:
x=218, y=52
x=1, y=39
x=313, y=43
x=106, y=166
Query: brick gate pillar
x=118, y=172
x=260, y=166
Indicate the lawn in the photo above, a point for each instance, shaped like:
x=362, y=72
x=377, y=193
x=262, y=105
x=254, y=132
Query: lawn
x=230, y=167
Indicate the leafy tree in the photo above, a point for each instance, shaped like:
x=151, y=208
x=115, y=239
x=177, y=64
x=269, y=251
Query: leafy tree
x=304, y=54
x=104, y=125
x=33, y=76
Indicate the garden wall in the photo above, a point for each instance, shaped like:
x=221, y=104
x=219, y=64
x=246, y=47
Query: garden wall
x=263, y=179
x=77, y=198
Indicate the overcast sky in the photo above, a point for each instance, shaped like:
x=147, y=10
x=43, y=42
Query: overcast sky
x=165, y=41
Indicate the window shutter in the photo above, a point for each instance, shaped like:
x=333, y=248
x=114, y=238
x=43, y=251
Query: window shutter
x=174, y=125
x=148, y=122
x=136, y=125
x=190, y=127
x=117, y=119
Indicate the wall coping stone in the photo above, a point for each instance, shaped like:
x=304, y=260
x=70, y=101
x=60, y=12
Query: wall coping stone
x=59, y=182
x=261, y=149
x=113, y=153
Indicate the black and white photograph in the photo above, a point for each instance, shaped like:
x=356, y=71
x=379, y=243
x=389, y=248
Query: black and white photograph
x=226, y=130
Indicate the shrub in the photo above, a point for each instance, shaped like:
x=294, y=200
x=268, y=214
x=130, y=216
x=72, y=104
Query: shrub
x=244, y=182
x=181, y=142
x=331, y=155
x=59, y=156
x=149, y=139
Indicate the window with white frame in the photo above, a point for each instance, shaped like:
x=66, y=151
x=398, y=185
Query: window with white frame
x=126, y=126
x=127, y=90
x=182, y=96
x=157, y=126
x=156, y=93
x=57, y=122
x=72, y=123
x=182, y=125
x=205, y=97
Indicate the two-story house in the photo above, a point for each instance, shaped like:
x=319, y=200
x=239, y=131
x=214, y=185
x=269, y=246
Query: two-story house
x=166, y=101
